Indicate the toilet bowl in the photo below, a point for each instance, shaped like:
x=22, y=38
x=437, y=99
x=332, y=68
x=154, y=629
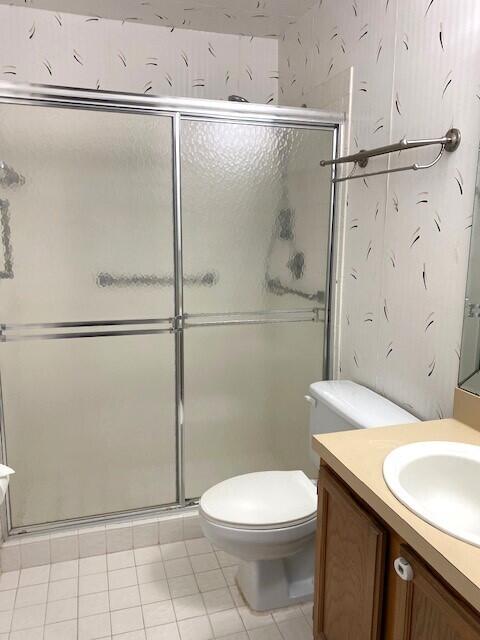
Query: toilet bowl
x=268, y=518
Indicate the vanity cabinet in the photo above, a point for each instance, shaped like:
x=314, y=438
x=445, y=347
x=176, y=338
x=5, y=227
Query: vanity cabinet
x=358, y=593
x=425, y=609
x=351, y=551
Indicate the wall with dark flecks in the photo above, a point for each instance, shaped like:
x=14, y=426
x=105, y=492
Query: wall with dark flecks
x=416, y=73
x=43, y=47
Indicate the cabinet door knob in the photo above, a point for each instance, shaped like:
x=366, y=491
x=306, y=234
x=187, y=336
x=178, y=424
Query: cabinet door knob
x=403, y=569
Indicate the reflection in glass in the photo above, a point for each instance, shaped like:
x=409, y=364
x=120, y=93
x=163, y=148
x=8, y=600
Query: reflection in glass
x=469, y=375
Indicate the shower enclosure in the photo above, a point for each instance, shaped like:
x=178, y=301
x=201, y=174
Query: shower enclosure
x=164, y=286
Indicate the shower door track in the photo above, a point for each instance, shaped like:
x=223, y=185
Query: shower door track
x=179, y=110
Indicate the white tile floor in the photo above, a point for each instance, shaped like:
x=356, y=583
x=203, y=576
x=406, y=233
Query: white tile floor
x=176, y=591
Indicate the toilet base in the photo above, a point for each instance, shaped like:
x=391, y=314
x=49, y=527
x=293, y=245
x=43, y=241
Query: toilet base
x=273, y=584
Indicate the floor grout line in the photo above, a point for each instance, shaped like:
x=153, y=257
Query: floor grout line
x=132, y=561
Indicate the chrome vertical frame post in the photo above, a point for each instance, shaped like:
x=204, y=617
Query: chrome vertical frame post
x=179, y=311
x=5, y=509
x=328, y=328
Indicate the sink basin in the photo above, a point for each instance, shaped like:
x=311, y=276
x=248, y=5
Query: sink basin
x=440, y=483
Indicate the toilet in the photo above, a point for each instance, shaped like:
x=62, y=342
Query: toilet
x=268, y=518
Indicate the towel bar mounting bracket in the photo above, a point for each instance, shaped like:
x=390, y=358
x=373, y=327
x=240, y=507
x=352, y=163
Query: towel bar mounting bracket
x=453, y=140
x=362, y=163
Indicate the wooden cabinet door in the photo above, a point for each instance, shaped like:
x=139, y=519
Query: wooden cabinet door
x=425, y=609
x=349, y=573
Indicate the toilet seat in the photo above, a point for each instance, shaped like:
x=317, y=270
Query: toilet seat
x=261, y=501
x=265, y=528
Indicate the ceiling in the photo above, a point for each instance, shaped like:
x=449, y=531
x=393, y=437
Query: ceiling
x=267, y=18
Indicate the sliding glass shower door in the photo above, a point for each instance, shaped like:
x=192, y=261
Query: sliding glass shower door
x=256, y=220
x=88, y=366
x=163, y=287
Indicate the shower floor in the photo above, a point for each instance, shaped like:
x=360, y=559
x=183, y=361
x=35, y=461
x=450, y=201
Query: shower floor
x=174, y=591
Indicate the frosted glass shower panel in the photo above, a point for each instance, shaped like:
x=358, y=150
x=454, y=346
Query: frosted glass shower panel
x=256, y=215
x=244, y=399
x=89, y=216
x=87, y=235
x=89, y=425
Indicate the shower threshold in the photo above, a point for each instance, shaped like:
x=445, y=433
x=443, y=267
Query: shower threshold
x=107, y=535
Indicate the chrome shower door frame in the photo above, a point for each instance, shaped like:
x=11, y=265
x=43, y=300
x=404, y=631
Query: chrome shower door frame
x=179, y=110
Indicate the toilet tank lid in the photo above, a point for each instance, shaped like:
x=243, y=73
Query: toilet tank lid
x=360, y=406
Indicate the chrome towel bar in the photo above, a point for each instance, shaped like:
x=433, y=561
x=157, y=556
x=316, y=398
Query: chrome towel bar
x=449, y=142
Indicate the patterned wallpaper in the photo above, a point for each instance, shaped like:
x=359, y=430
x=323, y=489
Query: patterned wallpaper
x=71, y=50
x=267, y=18
x=407, y=235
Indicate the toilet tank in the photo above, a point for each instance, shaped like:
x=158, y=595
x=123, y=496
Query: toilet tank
x=339, y=405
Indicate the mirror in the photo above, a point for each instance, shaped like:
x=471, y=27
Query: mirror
x=469, y=375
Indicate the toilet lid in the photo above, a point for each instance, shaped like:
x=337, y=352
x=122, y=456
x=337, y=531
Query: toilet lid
x=266, y=498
